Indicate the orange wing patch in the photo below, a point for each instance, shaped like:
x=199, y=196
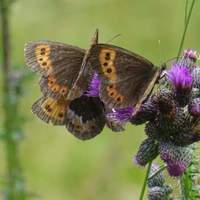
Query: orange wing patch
x=112, y=92
x=42, y=53
x=54, y=109
x=106, y=58
x=51, y=82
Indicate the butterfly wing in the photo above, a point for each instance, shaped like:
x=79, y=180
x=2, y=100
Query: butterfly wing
x=125, y=76
x=85, y=117
x=59, y=64
x=51, y=110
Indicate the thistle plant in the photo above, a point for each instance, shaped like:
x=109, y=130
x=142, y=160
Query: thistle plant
x=172, y=125
x=171, y=117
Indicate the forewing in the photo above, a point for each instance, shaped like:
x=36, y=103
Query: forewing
x=59, y=65
x=124, y=75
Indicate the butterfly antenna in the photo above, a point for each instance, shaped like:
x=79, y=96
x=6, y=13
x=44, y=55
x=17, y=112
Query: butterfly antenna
x=116, y=36
x=95, y=37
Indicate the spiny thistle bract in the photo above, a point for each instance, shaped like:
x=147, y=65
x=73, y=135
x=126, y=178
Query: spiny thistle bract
x=157, y=188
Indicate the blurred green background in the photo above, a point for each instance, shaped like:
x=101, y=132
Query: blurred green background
x=56, y=165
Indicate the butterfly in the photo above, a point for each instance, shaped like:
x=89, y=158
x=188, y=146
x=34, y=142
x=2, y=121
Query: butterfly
x=65, y=76
x=127, y=79
x=62, y=67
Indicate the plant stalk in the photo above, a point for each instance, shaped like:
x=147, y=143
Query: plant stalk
x=14, y=189
x=187, y=21
x=145, y=181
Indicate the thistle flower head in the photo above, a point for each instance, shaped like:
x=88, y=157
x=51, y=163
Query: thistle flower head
x=147, y=112
x=176, y=157
x=93, y=89
x=159, y=193
x=165, y=102
x=180, y=77
x=148, y=151
x=191, y=54
x=181, y=80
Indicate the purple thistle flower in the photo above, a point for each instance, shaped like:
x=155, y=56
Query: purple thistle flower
x=93, y=89
x=122, y=115
x=176, y=168
x=180, y=77
x=177, y=158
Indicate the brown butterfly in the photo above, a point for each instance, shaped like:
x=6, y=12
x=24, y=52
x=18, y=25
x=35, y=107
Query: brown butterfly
x=127, y=79
x=65, y=76
x=63, y=67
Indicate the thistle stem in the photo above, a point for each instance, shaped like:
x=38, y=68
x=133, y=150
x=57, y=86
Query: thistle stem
x=183, y=188
x=14, y=185
x=185, y=28
x=145, y=181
